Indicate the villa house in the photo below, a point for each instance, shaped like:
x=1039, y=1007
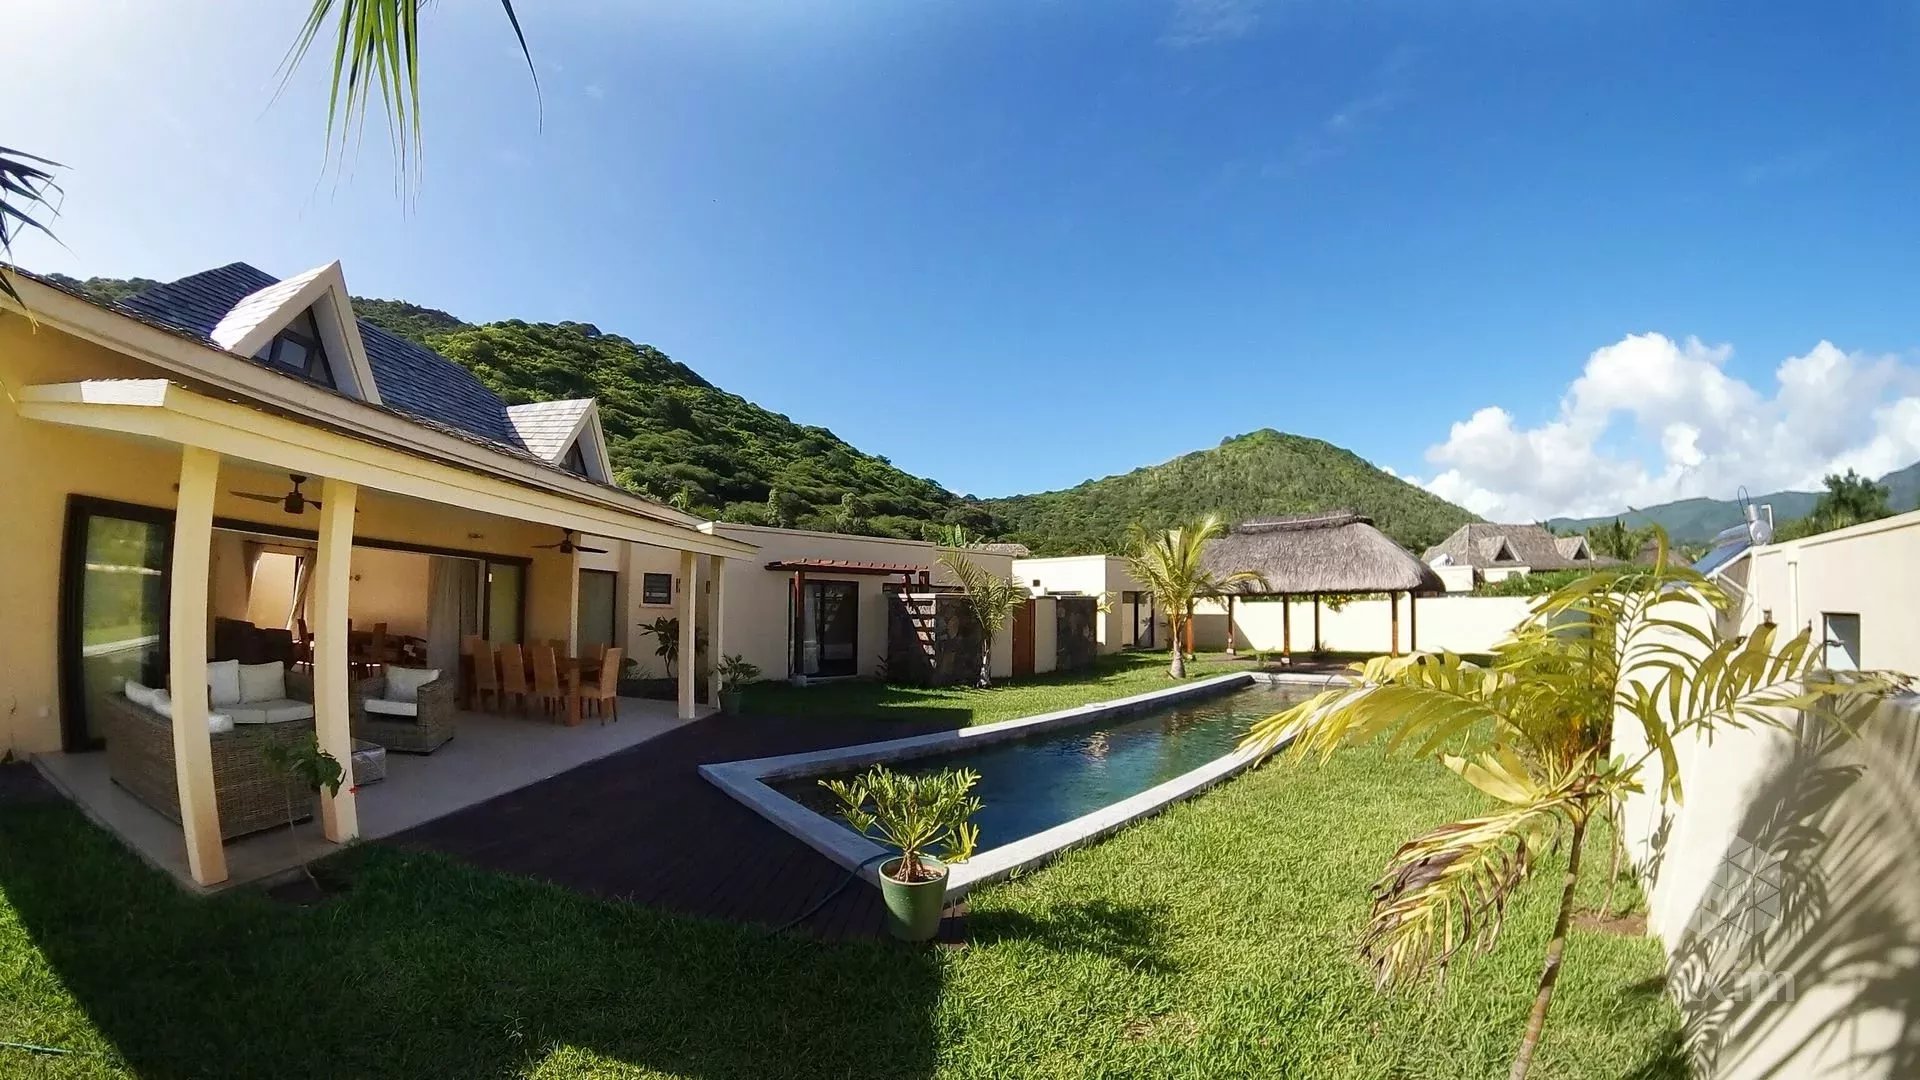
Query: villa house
x=1127, y=619
x=1480, y=552
x=809, y=607
x=234, y=448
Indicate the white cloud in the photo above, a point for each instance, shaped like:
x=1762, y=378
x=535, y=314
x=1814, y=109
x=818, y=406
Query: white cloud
x=1650, y=420
x=1203, y=22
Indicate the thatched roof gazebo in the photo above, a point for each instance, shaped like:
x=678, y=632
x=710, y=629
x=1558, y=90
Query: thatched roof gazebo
x=1317, y=555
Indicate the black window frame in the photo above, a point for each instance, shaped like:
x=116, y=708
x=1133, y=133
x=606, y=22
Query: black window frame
x=648, y=580
x=305, y=332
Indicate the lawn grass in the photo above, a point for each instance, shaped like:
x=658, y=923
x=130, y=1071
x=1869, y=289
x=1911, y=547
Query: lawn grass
x=1216, y=940
x=1112, y=676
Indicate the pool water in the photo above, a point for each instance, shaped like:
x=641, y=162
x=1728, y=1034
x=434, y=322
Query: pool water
x=1030, y=785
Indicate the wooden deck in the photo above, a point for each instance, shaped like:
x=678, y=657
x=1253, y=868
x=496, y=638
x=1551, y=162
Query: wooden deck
x=643, y=826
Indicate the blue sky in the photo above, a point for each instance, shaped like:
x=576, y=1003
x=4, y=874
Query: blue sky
x=1542, y=257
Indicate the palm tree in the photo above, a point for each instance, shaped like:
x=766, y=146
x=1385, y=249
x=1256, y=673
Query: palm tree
x=1171, y=566
x=1533, y=729
x=27, y=193
x=993, y=599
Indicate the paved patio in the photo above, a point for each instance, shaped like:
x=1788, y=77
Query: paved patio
x=643, y=826
x=490, y=755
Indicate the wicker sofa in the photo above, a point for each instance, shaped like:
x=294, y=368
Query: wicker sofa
x=429, y=727
x=140, y=759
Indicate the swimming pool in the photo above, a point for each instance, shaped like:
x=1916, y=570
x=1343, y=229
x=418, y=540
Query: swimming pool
x=1031, y=784
x=1048, y=782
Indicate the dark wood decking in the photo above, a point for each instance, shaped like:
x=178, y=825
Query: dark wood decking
x=642, y=825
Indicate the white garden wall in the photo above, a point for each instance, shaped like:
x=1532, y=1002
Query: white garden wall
x=1461, y=624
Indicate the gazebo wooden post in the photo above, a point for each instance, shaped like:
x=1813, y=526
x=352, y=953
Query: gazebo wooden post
x=1413, y=625
x=1286, y=629
x=1231, y=651
x=1393, y=603
x=1316, y=624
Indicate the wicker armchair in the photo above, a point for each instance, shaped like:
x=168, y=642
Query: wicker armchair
x=249, y=798
x=436, y=709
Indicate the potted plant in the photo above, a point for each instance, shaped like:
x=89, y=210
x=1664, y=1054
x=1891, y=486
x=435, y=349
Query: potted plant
x=735, y=673
x=305, y=765
x=913, y=815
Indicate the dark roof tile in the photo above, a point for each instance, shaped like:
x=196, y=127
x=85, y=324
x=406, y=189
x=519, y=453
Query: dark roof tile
x=412, y=379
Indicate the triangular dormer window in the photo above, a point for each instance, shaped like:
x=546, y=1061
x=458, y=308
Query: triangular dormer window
x=575, y=461
x=303, y=326
x=299, y=349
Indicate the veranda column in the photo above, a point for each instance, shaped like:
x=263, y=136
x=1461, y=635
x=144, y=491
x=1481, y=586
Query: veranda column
x=187, y=664
x=689, y=610
x=332, y=578
x=716, y=626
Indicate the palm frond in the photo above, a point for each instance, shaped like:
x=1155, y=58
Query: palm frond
x=27, y=194
x=376, y=43
x=1448, y=889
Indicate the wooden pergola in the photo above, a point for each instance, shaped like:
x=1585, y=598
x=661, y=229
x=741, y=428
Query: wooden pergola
x=1317, y=556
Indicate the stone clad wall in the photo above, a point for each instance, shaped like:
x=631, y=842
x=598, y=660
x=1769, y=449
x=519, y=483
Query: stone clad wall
x=1076, y=632
x=932, y=640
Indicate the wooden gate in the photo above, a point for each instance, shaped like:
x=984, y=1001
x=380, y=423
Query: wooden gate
x=1023, y=640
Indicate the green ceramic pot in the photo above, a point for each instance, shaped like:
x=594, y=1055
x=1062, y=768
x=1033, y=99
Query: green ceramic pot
x=913, y=910
x=730, y=701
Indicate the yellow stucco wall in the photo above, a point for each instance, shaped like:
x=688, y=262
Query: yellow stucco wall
x=41, y=464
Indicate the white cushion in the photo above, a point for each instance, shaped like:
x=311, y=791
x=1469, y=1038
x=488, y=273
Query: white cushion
x=219, y=724
x=404, y=683
x=140, y=695
x=161, y=702
x=223, y=681
x=392, y=708
x=262, y=682
x=269, y=712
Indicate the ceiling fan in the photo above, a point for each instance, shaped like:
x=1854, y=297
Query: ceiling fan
x=566, y=546
x=293, y=502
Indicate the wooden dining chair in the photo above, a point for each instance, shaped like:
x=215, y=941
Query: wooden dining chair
x=546, y=681
x=303, y=646
x=486, y=678
x=377, y=646
x=591, y=656
x=513, y=676
x=604, y=692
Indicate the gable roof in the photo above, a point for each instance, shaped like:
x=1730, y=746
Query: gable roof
x=546, y=428
x=1481, y=544
x=1338, y=552
x=411, y=378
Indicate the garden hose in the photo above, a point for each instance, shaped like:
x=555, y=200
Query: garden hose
x=823, y=901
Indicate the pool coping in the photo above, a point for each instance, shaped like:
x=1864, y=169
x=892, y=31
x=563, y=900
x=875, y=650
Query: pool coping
x=746, y=781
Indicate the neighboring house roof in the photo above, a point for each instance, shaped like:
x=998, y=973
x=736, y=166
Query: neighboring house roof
x=1018, y=551
x=1318, y=553
x=1484, y=545
x=411, y=378
x=546, y=428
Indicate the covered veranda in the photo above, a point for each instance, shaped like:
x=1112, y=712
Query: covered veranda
x=181, y=454
x=1314, y=557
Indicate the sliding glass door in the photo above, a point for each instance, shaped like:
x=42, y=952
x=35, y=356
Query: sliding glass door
x=830, y=628
x=114, y=582
x=598, y=612
x=506, y=599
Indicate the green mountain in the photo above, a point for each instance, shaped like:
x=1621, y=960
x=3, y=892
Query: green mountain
x=1259, y=474
x=676, y=437
x=1695, y=521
